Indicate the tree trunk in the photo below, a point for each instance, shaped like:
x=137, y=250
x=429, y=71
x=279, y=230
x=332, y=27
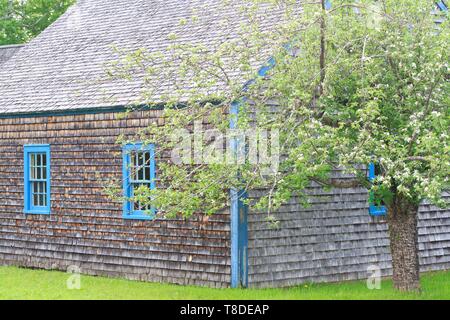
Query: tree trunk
x=402, y=221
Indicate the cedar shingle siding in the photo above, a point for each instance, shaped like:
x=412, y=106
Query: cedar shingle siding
x=335, y=239
x=64, y=67
x=85, y=228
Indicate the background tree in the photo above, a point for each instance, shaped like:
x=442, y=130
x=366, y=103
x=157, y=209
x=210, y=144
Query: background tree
x=361, y=82
x=22, y=20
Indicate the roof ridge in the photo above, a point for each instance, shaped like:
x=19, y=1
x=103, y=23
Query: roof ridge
x=7, y=46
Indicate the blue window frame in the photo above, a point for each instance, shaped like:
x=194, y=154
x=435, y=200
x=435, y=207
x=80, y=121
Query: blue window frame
x=374, y=209
x=138, y=170
x=37, y=179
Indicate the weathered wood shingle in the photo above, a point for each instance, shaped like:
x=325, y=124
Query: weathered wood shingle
x=6, y=52
x=335, y=239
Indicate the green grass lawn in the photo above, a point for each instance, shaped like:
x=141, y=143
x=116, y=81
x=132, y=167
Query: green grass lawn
x=18, y=283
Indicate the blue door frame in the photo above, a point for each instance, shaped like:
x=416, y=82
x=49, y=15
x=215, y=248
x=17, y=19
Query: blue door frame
x=239, y=209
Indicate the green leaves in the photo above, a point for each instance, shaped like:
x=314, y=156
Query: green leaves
x=383, y=96
x=20, y=21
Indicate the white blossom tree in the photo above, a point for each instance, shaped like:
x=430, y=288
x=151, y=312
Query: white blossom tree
x=358, y=83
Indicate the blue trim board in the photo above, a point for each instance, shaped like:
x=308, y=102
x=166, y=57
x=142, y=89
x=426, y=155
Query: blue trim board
x=373, y=209
x=239, y=261
x=243, y=239
x=239, y=214
x=239, y=239
x=235, y=261
x=377, y=211
x=239, y=210
x=128, y=212
x=29, y=207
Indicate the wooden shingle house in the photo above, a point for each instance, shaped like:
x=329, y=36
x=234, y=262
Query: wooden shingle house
x=58, y=131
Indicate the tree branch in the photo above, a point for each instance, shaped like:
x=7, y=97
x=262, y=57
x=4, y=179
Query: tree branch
x=322, y=49
x=338, y=183
x=417, y=158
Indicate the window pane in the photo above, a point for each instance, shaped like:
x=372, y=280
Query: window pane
x=38, y=166
x=35, y=170
x=39, y=194
x=138, y=206
x=35, y=200
x=147, y=166
x=140, y=166
x=378, y=170
x=33, y=166
x=133, y=166
x=44, y=194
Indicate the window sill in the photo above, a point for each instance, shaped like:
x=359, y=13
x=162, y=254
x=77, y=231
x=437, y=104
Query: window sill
x=138, y=216
x=37, y=212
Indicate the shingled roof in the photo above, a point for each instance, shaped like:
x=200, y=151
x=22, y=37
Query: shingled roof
x=6, y=52
x=64, y=67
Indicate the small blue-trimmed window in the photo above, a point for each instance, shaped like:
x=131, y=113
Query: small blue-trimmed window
x=138, y=170
x=376, y=207
x=37, y=179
